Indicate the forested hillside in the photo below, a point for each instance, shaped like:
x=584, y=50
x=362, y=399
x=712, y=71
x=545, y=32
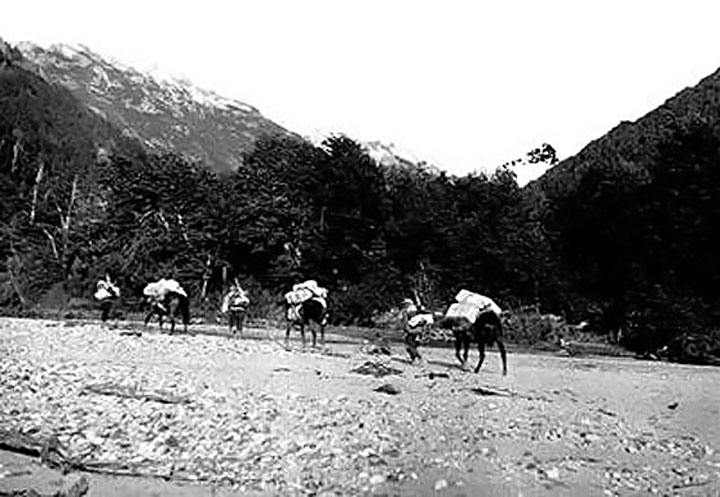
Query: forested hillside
x=624, y=234
x=50, y=149
x=632, y=221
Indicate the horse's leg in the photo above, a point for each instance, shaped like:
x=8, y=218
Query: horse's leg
x=302, y=332
x=184, y=314
x=240, y=321
x=287, y=333
x=481, y=350
x=322, y=334
x=503, y=356
x=417, y=346
x=314, y=333
x=170, y=308
x=231, y=319
x=148, y=317
x=458, y=346
x=466, y=346
x=105, y=306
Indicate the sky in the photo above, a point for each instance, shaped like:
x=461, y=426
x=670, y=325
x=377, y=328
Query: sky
x=466, y=85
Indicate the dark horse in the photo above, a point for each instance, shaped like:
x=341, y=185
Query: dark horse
x=310, y=310
x=486, y=330
x=172, y=305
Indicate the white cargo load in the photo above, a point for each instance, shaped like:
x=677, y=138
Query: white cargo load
x=483, y=303
x=306, y=291
x=463, y=310
x=159, y=289
x=425, y=319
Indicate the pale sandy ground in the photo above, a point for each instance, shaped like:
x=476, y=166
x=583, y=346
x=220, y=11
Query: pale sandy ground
x=279, y=422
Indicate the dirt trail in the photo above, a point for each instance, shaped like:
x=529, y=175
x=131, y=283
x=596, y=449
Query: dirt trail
x=257, y=419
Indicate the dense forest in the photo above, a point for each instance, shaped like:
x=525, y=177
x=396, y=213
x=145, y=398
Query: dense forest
x=624, y=234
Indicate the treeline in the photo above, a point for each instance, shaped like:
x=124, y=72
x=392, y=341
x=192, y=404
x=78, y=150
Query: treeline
x=642, y=244
x=371, y=234
x=73, y=209
x=623, y=235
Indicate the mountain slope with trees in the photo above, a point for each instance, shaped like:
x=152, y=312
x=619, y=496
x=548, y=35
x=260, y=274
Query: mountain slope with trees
x=50, y=146
x=631, y=219
x=167, y=115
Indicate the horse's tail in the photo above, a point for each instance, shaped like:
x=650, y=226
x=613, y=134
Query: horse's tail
x=489, y=325
x=313, y=310
x=497, y=322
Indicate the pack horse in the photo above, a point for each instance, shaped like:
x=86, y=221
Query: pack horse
x=475, y=317
x=167, y=299
x=306, y=304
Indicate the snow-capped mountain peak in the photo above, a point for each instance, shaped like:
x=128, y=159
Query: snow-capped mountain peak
x=164, y=111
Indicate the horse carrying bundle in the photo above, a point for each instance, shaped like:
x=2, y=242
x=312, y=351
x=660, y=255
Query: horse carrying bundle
x=306, y=303
x=483, y=303
x=303, y=292
x=463, y=310
x=475, y=317
x=470, y=306
x=159, y=289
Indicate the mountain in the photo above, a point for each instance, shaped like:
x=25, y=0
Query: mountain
x=52, y=153
x=44, y=123
x=389, y=154
x=162, y=113
x=636, y=145
x=631, y=222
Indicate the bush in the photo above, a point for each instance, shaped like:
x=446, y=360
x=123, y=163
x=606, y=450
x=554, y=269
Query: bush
x=661, y=320
x=527, y=326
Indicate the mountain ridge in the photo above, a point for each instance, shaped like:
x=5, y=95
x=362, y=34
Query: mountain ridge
x=164, y=113
x=635, y=143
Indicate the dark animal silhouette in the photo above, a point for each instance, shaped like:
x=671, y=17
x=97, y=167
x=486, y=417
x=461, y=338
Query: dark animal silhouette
x=309, y=311
x=172, y=305
x=486, y=330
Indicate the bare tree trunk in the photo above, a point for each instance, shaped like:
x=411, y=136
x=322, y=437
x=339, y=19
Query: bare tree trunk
x=52, y=244
x=17, y=148
x=36, y=187
x=322, y=219
x=163, y=220
x=206, y=277
x=71, y=204
x=65, y=223
x=13, y=280
x=183, y=228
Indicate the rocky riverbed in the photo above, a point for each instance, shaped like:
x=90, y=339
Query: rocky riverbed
x=247, y=415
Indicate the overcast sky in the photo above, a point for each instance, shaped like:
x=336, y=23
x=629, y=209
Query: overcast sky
x=468, y=85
